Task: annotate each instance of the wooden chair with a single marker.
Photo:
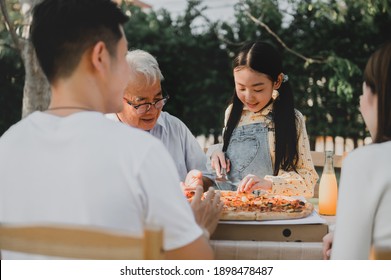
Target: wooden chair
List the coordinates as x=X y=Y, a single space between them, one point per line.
x=81 y=242
x=380 y=253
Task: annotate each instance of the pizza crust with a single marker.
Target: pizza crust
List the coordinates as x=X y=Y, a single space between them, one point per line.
x=235 y=203
x=306 y=211
x=237 y=216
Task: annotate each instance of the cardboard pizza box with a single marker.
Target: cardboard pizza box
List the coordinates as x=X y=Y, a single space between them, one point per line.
x=309 y=229
x=296 y=233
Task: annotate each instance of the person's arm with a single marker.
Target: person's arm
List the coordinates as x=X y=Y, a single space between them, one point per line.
x=207 y=211
x=167 y=207
x=193 y=179
x=196 y=160
x=292 y=183
x=303 y=180
x=356 y=205
x=219 y=161
x=199 y=249
x=327 y=245
x=193 y=156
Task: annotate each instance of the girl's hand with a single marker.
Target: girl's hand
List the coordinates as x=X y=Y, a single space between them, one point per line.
x=252 y=182
x=193 y=179
x=218 y=161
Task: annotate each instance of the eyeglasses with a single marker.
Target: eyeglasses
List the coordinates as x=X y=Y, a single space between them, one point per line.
x=145 y=107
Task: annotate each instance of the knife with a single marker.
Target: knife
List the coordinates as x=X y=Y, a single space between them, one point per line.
x=223 y=183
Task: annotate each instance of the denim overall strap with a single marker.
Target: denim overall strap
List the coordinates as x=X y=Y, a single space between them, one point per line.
x=249 y=153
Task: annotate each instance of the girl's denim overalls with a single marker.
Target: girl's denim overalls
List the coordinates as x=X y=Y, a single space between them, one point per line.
x=249 y=153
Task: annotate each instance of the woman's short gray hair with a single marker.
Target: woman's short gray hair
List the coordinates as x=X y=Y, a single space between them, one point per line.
x=143 y=63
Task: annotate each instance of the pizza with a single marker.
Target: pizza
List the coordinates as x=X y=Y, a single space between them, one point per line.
x=248 y=207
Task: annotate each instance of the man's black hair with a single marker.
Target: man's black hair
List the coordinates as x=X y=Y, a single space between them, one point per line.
x=62 y=30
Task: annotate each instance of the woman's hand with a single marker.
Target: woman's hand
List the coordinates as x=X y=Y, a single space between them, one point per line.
x=192 y=180
x=327 y=244
x=207 y=211
x=218 y=161
x=252 y=182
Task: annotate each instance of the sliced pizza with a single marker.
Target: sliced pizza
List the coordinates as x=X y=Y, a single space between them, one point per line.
x=243 y=206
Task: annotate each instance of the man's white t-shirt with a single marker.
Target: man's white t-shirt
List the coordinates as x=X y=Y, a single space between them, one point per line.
x=87 y=170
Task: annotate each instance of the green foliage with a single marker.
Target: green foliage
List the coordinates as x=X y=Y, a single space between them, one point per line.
x=336 y=37
x=11 y=74
x=196 y=70
x=344 y=34
x=244 y=29
x=11 y=87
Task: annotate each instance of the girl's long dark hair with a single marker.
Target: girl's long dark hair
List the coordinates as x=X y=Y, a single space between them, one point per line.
x=263 y=58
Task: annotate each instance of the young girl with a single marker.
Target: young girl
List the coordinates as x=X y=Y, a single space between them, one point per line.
x=265 y=140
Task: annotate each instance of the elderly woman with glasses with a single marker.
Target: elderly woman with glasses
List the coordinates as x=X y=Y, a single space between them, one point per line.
x=143 y=103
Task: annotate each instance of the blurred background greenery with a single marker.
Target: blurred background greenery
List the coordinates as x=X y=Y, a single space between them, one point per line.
x=324 y=43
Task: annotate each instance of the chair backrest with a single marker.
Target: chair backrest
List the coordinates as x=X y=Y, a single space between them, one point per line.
x=80 y=242
x=380 y=253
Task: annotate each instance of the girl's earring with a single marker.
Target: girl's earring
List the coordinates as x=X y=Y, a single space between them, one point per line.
x=275 y=94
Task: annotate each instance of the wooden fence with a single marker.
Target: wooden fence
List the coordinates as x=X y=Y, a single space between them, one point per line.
x=338 y=144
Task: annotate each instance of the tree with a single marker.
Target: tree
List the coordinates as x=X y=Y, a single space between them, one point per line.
x=345 y=35
x=11 y=82
x=36 y=93
x=324 y=46
x=196 y=68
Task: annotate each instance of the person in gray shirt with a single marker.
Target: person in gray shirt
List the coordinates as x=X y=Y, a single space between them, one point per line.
x=144 y=100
